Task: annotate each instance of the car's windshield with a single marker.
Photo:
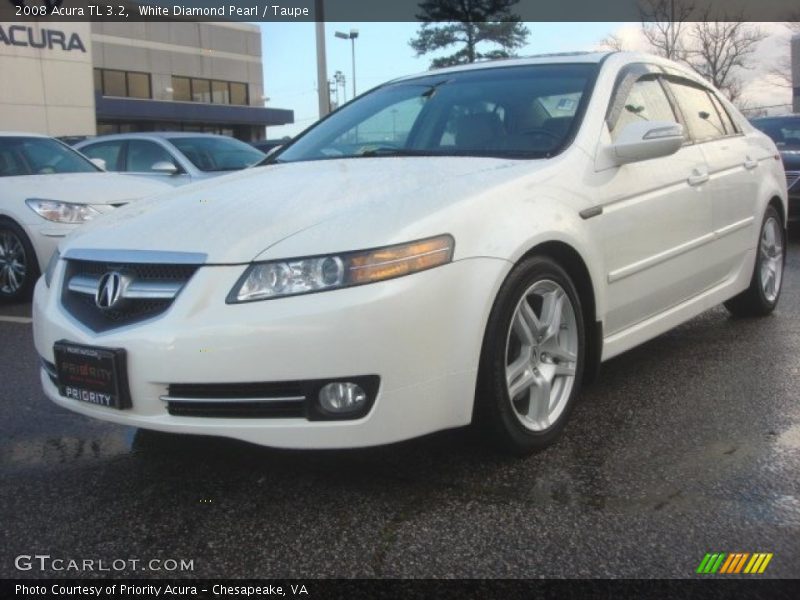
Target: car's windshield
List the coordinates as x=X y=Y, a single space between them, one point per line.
x=40 y=156
x=784 y=132
x=217 y=153
x=522 y=112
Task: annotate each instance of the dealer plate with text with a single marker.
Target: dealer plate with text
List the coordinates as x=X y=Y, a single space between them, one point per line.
x=93 y=375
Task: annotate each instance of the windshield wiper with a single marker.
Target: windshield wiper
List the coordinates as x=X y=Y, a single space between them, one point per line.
x=390 y=151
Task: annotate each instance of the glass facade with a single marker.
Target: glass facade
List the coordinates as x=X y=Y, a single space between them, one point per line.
x=122 y=84
x=209 y=91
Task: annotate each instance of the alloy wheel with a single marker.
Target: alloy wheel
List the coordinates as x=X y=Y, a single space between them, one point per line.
x=541 y=355
x=12 y=263
x=771 y=251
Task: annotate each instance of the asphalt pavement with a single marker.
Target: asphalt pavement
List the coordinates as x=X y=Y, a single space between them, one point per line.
x=687 y=445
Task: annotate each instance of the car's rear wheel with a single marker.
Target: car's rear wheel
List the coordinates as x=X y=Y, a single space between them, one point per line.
x=761 y=297
x=532 y=359
x=19 y=268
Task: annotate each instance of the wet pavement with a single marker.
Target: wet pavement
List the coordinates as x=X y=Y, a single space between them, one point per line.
x=689 y=444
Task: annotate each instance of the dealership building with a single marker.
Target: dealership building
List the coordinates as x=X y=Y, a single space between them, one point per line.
x=70 y=79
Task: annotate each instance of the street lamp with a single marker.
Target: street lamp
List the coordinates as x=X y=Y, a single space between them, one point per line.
x=352 y=37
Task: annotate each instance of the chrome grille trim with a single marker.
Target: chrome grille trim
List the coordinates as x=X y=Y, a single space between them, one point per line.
x=148 y=290
x=296 y=399
x=137 y=290
x=136 y=256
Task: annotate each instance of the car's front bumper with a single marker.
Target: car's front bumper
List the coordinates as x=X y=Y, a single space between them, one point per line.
x=420 y=334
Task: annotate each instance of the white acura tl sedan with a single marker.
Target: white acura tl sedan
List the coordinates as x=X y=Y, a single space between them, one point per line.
x=465 y=245
x=47 y=189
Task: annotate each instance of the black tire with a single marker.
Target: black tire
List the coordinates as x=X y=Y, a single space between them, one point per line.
x=753 y=302
x=494 y=412
x=12 y=235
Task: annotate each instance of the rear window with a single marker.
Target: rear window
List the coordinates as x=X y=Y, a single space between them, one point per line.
x=217 y=153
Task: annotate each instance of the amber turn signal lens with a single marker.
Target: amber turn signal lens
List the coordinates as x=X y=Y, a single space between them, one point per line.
x=403 y=259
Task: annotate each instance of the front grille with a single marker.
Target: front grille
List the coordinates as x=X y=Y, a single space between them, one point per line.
x=150 y=289
x=792 y=177
x=237 y=410
x=237 y=400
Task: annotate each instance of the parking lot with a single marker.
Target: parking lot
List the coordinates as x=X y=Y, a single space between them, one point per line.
x=687 y=445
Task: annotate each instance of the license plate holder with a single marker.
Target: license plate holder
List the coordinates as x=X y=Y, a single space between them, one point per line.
x=92 y=374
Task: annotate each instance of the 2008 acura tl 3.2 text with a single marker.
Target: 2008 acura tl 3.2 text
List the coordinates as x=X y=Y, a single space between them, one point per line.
x=464 y=245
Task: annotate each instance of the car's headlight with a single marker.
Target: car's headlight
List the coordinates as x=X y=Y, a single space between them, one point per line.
x=51 y=268
x=62 y=212
x=275 y=279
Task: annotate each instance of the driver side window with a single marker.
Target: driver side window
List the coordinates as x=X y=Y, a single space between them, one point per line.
x=646 y=101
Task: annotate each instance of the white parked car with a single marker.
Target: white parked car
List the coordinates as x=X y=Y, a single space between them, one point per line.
x=175 y=158
x=463 y=245
x=47 y=189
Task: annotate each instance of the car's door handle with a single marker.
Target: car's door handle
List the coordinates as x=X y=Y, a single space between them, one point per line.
x=698 y=176
x=750 y=163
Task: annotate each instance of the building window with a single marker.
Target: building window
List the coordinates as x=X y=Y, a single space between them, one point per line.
x=124 y=84
x=181 y=89
x=138 y=85
x=239 y=94
x=201 y=90
x=220 y=94
x=185 y=89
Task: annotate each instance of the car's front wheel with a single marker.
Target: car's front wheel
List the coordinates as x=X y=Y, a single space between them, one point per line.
x=761 y=297
x=532 y=357
x=19 y=269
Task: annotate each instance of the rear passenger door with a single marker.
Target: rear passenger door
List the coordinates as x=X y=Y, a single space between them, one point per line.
x=733 y=173
x=656 y=214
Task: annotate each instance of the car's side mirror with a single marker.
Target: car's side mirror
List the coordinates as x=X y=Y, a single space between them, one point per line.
x=165 y=167
x=99 y=163
x=643 y=140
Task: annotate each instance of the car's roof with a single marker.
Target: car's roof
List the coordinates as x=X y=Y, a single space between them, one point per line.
x=537 y=59
x=619 y=58
x=150 y=135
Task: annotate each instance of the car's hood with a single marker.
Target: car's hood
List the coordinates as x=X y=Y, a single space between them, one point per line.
x=89 y=188
x=235 y=218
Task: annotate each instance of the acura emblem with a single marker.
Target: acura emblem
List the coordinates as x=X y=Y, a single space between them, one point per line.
x=109 y=290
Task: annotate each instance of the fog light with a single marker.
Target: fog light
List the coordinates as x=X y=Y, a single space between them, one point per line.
x=342 y=397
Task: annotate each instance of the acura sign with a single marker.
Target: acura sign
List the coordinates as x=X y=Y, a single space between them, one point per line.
x=21 y=35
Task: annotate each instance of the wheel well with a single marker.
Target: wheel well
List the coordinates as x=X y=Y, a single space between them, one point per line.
x=573 y=264
x=776 y=202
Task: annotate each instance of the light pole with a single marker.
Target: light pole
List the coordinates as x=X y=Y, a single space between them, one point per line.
x=352 y=37
x=322 y=69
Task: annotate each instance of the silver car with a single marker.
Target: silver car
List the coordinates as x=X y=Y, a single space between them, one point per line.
x=173 y=157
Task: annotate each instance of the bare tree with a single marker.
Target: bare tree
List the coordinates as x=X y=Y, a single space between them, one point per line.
x=612 y=42
x=781 y=74
x=719 y=48
x=664 y=23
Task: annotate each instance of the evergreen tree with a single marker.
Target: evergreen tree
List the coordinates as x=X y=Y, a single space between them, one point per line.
x=447 y=23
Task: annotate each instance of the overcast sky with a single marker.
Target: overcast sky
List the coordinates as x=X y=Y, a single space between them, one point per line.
x=382 y=53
